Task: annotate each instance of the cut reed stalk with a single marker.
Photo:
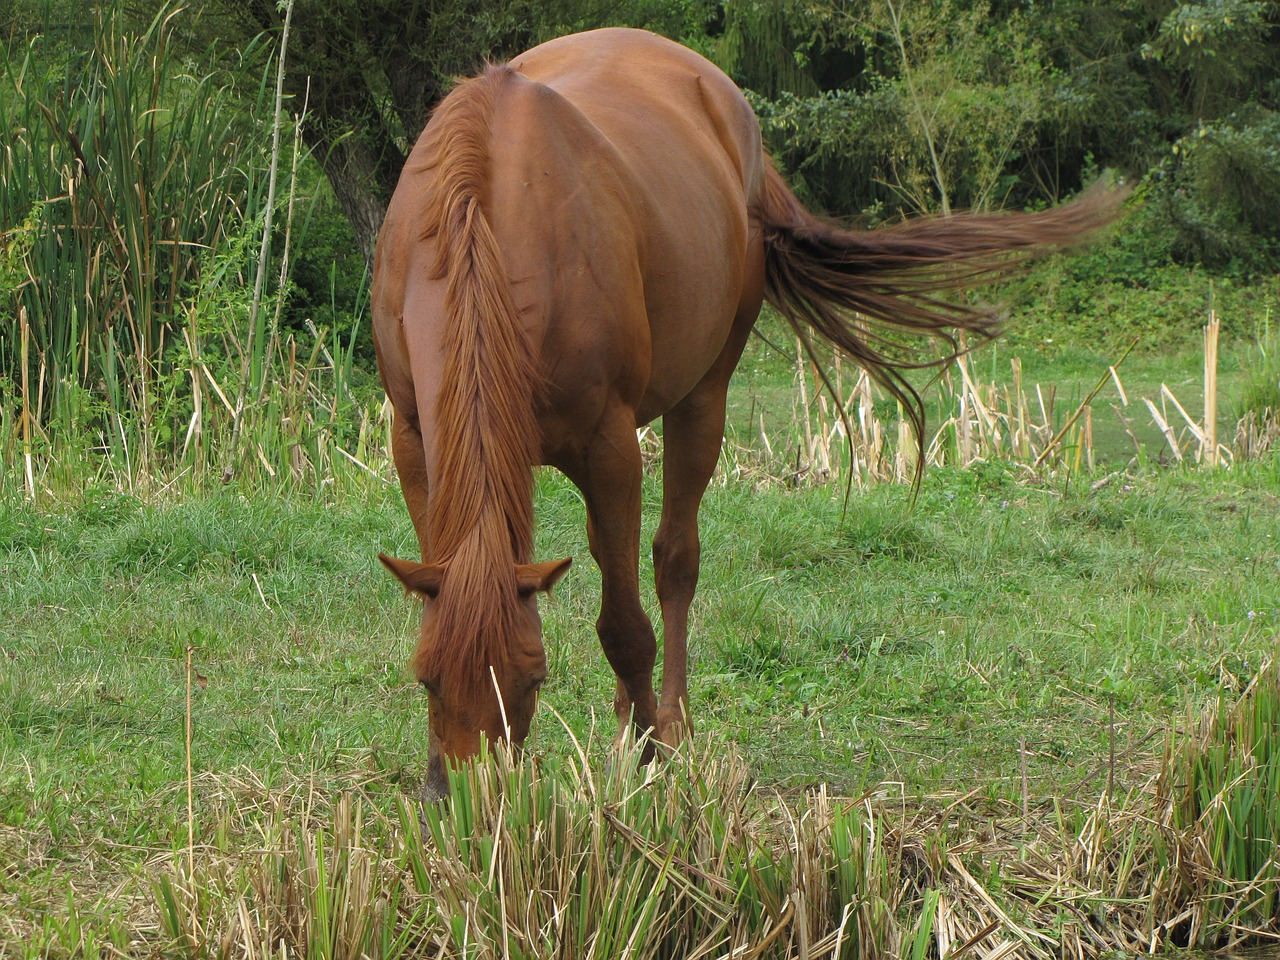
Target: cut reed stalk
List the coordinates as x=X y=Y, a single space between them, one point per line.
x=25 y=334
x=1209 y=450
x=592 y=856
x=1052 y=444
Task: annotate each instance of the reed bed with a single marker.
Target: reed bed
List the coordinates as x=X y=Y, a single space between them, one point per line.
x=977 y=420
x=591 y=855
x=142 y=281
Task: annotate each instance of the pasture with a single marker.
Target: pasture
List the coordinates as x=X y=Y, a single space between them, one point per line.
x=967 y=681
x=1029 y=711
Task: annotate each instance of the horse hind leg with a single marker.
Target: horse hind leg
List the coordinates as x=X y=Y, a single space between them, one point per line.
x=692 y=435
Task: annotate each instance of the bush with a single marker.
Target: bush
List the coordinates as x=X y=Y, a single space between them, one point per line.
x=1220 y=193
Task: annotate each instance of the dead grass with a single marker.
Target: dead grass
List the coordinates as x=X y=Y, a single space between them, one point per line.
x=590 y=856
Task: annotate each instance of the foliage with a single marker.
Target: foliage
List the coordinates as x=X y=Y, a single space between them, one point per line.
x=912 y=130
x=1129 y=285
x=914 y=652
x=1219 y=47
x=887 y=107
x=1220 y=190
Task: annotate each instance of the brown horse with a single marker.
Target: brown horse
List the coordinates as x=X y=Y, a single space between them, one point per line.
x=580 y=243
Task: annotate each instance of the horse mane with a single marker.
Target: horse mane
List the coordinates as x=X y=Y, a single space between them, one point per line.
x=480 y=513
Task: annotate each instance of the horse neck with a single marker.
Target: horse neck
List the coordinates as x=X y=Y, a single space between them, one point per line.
x=480 y=501
x=486 y=429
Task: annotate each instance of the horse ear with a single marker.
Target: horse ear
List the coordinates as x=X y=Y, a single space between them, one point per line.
x=540 y=577
x=423 y=578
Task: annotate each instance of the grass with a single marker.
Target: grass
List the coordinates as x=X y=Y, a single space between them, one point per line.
x=1029 y=714
x=916 y=649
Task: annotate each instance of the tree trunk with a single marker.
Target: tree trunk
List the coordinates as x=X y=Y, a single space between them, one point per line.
x=368 y=73
x=362 y=183
x=358 y=154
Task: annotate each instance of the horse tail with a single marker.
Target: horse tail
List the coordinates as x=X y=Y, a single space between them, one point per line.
x=826 y=280
x=481 y=508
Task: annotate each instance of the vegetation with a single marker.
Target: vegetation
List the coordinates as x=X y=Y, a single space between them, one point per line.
x=1031 y=713
x=140 y=319
x=996 y=646
x=165 y=333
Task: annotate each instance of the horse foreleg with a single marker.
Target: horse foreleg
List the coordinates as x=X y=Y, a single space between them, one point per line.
x=609 y=476
x=411 y=466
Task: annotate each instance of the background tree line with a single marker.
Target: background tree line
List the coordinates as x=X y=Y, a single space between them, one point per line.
x=135 y=195
x=875 y=107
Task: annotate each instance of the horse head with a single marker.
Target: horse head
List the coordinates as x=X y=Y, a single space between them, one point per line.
x=482 y=667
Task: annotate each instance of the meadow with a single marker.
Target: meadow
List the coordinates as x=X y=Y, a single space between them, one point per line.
x=206 y=694
x=1025 y=710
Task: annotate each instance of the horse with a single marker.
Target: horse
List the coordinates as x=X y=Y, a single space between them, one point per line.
x=579 y=243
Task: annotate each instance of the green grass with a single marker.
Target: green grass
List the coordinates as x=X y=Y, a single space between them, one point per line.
x=1011 y=623
x=916 y=646
x=912 y=647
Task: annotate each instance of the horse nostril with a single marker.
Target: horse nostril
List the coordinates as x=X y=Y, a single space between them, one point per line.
x=434 y=791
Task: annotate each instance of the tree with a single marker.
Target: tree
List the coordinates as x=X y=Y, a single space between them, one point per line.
x=367 y=72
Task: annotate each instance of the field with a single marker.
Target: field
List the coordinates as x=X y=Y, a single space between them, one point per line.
x=1014 y=647
x=1025 y=709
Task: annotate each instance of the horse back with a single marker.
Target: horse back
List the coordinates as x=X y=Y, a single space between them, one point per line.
x=642 y=161
x=623 y=171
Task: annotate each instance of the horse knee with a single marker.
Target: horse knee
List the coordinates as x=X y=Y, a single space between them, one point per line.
x=675 y=563
x=628 y=643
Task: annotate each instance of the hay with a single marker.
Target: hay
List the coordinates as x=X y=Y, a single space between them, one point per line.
x=589 y=859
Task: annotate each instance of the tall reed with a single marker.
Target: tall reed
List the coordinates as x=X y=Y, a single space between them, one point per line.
x=122 y=172
x=134 y=216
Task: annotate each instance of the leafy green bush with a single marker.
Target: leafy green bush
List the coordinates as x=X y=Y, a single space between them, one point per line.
x=1220 y=192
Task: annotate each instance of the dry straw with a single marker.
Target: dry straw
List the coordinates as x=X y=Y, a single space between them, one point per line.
x=592 y=856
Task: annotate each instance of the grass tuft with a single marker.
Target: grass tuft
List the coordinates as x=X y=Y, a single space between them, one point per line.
x=1225 y=796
